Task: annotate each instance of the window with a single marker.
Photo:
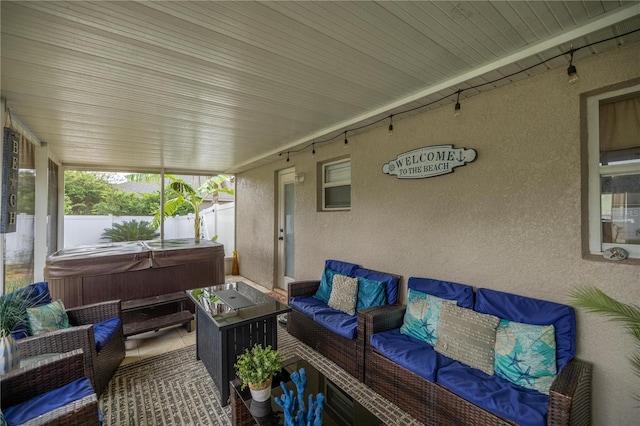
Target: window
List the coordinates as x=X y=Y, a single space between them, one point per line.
x=614 y=171
x=336 y=185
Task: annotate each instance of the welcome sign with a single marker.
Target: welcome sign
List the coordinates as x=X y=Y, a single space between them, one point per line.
x=428 y=161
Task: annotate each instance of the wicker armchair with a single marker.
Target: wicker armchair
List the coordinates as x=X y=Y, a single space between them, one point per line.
x=51 y=373
x=99 y=366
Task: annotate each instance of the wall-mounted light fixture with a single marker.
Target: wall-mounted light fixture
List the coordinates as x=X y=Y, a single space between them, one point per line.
x=456 y=109
x=572 y=72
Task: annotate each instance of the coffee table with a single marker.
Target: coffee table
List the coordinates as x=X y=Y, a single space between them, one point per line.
x=224 y=332
x=339 y=410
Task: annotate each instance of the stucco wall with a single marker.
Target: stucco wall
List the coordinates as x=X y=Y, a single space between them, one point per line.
x=509 y=221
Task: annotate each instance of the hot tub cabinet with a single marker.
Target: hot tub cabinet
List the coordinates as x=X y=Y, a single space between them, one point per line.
x=141 y=274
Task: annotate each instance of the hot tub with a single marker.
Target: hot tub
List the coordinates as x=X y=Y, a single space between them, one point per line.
x=132 y=270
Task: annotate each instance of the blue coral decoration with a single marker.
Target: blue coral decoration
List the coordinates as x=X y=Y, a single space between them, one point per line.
x=295 y=410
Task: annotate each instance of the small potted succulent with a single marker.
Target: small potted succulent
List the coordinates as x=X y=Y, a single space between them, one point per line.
x=256 y=368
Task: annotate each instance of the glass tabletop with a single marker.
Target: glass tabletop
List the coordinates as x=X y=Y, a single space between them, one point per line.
x=218 y=302
x=340 y=409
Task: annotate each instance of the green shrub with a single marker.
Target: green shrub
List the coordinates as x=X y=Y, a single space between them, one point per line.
x=130 y=231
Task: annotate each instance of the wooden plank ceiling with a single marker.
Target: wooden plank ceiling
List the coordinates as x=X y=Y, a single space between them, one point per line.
x=218 y=86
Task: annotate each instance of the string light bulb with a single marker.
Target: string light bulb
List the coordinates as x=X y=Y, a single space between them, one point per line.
x=391 y=125
x=571 y=70
x=346 y=141
x=456 y=109
x=287 y=156
x=313 y=148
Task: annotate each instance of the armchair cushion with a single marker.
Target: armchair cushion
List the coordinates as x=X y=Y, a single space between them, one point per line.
x=415 y=355
x=526 y=407
x=49 y=317
x=48 y=401
x=104 y=331
x=332 y=267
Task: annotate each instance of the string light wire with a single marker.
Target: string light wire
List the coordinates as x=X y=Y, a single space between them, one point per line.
x=457 y=93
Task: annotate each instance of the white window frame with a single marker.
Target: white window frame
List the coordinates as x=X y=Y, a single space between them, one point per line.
x=324 y=184
x=596 y=246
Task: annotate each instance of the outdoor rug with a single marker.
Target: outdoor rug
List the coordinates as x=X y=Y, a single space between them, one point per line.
x=176 y=389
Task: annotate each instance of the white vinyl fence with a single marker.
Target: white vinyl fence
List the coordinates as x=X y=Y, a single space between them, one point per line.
x=80 y=230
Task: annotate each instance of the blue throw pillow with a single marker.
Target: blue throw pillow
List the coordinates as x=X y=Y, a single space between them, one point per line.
x=422 y=317
x=525 y=354
x=390 y=282
x=371 y=293
x=332 y=267
x=326 y=283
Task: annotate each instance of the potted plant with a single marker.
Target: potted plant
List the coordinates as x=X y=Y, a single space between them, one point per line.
x=256 y=368
x=13 y=311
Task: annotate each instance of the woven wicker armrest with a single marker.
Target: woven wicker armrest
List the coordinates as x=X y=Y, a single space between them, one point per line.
x=96 y=312
x=303 y=288
x=384 y=318
x=43 y=376
x=570 y=395
x=65 y=340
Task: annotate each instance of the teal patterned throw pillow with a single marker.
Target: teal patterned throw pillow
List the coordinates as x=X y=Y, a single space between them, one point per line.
x=422 y=317
x=46 y=318
x=526 y=354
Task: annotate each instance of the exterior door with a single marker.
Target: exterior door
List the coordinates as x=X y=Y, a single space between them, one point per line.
x=286 y=228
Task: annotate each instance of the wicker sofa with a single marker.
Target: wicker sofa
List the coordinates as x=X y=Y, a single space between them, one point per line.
x=436 y=389
x=335 y=334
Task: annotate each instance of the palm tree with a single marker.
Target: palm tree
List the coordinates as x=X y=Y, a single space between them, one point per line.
x=130 y=231
x=187 y=195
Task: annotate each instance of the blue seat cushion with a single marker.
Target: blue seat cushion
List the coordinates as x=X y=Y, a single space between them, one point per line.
x=413 y=354
x=523 y=406
x=342 y=324
x=527 y=310
x=332 y=267
x=338 y=322
x=390 y=282
x=104 y=332
x=48 y=401
x=37 y=294
x=308 y=305
x=461 y=293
